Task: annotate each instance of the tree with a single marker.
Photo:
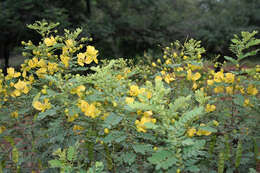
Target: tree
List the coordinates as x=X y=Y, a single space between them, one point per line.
x=221 y=19
x=15 y=15
x=127 y=28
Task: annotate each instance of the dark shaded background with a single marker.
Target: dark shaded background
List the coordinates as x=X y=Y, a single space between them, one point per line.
x=127 y=28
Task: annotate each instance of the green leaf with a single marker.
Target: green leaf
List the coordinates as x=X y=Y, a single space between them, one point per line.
x=36 y=98
x=55 y=163
x=252 y=53
x=187 y=142
x=15 y=155
x=163 y=159
x=128 y=157
x=49 y=112
x=252 y=170
x=230 y=59
x=116 y=136
x=234 y=40
x=71 y=153
x=210 y=129
x=150 y=125
x=253 y=43
x=180 y=102
x=142 y=148
x=239 y=100
x=168 y=162
x=113 y=119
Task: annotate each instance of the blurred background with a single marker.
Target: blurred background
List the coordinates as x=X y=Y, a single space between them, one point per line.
x=128 y=28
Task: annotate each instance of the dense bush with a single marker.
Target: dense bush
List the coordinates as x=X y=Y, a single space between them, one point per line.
x=63 y=112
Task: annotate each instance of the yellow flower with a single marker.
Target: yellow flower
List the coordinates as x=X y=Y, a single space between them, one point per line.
x=44 y=91
x=78 y=90
x=246 y=102
x=106 y=130
x=104 y=116
x=72 y=118
x=155 y=148
x=229 y=90
x=12 y=74
x=14 y=114
x=163 y=72
x=139 y=112
x=193 y=77
x=153 y=64
x=148 y=113
x=31 y=79
x=185 y=57
x=52 y=67
x=77 y=128
x=201 y=132
x=191 y=132
x=134 y=90
x=141 y=124
x=194 y=67
x=119 y=77
x=65 y=50
x=81 y=58
x=210 y=82
x=41 y=72
x=194 y=86
x=129 y=100
x=89 y=109
x=24 y=73
x=257 y=68
x=189 y=74
x=91 y=54
x=219 y=76
x=179 y=69
x=168 y=61
x=158 y=78
x=175 y=55
x=16 y=93
x=22 y=86
x=240 y=88
x=2 y=129
x=42 y=106
x=69 y=43
x=215 y=123
x=32 y=63
x=219 y=89
x=210 y=108
x=169 y=78
x=41 y=63
x=230 y=78
x=252 y=90
x=50 y=41
x=65 y=60
x=149 y=94
x=114 y=104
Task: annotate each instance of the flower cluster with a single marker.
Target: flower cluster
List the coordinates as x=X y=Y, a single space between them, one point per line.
x=146 y=118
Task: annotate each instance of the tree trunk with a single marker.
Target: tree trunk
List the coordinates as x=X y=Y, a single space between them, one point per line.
x=4 y=54
x=88 y=8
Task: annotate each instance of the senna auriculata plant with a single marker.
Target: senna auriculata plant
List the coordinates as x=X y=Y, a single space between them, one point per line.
x=172 y=116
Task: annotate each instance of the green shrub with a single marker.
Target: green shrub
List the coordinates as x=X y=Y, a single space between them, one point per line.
x=62 y=113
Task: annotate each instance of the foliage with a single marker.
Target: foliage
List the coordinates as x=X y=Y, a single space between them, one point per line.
x=239 y=46
x=123 y=28
x=64 y=111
